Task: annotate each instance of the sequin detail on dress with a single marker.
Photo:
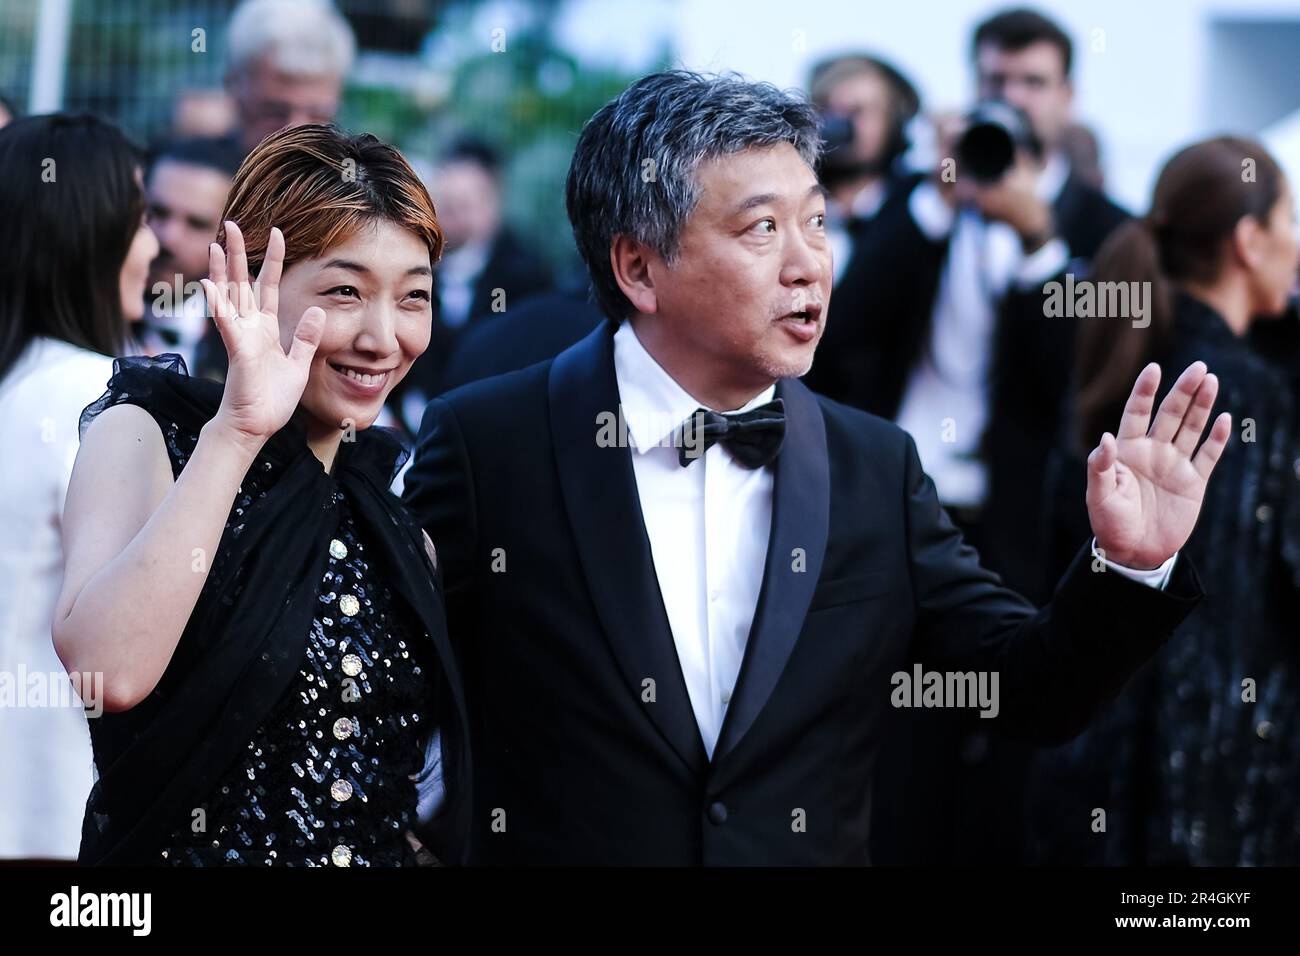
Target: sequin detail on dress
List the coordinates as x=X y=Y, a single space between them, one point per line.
x=327 y=778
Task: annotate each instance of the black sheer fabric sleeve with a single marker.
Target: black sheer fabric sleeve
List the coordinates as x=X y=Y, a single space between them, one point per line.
x=162 y=386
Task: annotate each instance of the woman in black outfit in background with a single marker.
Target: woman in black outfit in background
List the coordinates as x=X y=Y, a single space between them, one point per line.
x=1198 y=762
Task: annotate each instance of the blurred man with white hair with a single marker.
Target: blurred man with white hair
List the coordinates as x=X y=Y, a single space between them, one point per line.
x=285 y=63
x=286 y=60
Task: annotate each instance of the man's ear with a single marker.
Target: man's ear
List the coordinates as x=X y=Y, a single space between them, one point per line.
x=630 y=261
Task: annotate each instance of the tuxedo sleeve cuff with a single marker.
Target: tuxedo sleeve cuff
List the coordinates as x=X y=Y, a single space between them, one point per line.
x=1121 y=621
x=1157 y=578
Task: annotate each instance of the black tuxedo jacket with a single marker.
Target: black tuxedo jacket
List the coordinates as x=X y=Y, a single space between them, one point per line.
x=586 y=745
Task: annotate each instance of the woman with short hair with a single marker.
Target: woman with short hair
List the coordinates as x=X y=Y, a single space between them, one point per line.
x=276 y=664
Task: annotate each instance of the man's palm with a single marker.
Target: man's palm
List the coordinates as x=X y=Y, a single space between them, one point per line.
x=1145 y=487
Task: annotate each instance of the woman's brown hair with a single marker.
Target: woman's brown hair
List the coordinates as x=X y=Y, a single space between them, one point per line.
x=319 y=186
x=1200 y=196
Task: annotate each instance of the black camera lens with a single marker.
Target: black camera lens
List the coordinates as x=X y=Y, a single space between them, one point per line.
x=836 y=132
x=986 y=152
x=987 y=147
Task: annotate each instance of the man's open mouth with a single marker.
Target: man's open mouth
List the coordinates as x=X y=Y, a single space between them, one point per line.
x=811 y=314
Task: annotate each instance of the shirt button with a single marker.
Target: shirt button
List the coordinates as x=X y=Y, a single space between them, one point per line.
x=1264 y=729
x=341 y=856
x=714 y=595
x=341 y=790
x=338 y=550
x=343 y=728
x=726 y=697
x=1264 y=514
x=349 y=605
x=351 y=665
x=718 y=813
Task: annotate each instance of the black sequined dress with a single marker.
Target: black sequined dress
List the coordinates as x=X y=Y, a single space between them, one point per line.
x=328 y=778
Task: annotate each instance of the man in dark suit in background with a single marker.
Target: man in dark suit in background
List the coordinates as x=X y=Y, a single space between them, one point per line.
x=485 y=271
x=542 y=327
x=684 y=588
x=186 y=185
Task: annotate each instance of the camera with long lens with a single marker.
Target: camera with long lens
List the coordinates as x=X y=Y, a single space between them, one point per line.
x=995 y=131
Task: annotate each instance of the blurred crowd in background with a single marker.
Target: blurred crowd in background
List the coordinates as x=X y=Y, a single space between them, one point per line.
x=937 y=323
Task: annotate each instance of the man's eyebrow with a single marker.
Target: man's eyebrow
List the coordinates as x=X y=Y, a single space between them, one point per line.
x=762 y=199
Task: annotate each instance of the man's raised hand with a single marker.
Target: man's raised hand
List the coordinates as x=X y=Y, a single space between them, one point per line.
x=1146 y=484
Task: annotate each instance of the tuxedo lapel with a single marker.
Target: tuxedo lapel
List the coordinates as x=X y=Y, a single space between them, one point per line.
x=604 y=510
x=796 y=547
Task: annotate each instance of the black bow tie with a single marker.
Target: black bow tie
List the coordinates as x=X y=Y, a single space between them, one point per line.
x=753 y=437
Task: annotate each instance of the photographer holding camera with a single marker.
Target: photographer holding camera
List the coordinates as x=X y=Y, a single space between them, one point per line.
x=865 y=105
x=939 y=325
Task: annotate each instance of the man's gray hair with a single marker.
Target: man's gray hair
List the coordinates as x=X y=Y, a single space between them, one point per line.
x=633 y=171
x=299 y=37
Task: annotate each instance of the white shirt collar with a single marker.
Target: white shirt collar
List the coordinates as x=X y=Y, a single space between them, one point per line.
x=865 y=204
x=463 y=264
x=651 y=401
x=869 y=199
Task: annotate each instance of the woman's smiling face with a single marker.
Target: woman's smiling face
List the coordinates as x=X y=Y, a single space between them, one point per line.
x=376 y=289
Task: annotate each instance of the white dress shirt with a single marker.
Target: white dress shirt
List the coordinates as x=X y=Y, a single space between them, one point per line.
x=945 y=405
x=457 y=273
x=708 y=525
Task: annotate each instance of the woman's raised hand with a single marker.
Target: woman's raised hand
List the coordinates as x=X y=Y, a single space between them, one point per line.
x=264 y=383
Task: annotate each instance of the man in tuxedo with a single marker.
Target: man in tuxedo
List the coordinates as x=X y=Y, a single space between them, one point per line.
x=684 y=589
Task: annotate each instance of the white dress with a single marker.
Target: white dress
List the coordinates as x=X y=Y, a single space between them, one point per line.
x=46 y=768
